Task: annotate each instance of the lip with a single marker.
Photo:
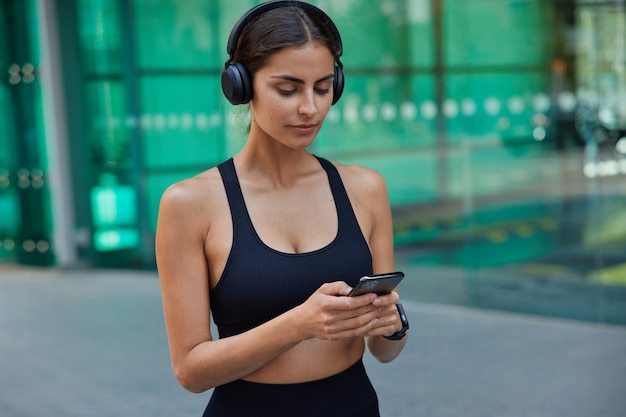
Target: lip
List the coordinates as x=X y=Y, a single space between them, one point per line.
x=304 y=128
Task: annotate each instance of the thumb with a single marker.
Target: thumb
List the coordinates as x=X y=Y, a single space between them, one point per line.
x=335 y=288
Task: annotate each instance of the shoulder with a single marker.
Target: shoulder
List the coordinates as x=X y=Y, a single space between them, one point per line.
x=361 y=180
x=192 y=189
x=195 y=196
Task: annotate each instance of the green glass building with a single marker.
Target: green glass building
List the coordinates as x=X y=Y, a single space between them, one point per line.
x=499 y=125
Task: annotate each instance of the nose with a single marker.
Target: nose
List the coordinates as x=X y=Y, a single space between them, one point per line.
x=308 y=105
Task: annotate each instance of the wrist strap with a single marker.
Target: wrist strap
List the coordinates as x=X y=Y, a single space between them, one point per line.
x=399 y=335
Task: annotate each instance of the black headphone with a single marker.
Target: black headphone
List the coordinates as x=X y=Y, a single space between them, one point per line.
x=236 y=81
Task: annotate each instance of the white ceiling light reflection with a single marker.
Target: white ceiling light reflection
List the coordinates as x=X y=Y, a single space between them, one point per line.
x=159 y=122
x=515 y=105
x=146 y=122
x=587 y=97
x=429 y=110
x=202 y=121
x=113 y=122
x=351 y=113
x=131 y=122
x=216 y=120
x=620 y=146
x=408 y=110
x=492 y=106
x=607 y=116
x=540 y=134
x=388 y=112
x=567 y=101
x=370 y=113
x=333 y=115
x=468 y=107
x=186 y=121
x=450 y=108
x=172 y=121
x=541 y=103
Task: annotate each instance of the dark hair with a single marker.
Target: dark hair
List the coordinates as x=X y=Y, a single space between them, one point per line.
x=277 y=29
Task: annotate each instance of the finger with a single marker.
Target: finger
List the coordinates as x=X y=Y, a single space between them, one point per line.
x=384 y=326
x=337 y=300
x=335 y=288
x=358 y=326
x=388 y=299
x=344 y=313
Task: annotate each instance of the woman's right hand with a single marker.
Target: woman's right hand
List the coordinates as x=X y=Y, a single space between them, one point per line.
x=329 y=315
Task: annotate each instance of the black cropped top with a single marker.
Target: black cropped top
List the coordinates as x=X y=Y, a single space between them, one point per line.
x=260 y=283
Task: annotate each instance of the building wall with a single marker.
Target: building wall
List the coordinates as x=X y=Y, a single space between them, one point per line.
x=495 y=123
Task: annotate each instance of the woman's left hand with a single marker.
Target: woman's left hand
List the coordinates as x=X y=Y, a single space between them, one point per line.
x=388 y=318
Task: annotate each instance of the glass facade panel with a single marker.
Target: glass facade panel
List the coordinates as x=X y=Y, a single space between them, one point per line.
x=533 y=166
x=9 y=209
x=9 y=202
x=420 y=33
x=100 y=36
x=496 y=33
x=108 y=129
x=181 y=121
x=503 y=105
x=25 y=223
x=178 y=34
x=377 y=113
x=499 y=125
x=385 y=37
x=110 y=133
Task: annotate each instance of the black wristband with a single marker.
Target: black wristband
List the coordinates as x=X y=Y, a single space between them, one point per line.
x=399 y=335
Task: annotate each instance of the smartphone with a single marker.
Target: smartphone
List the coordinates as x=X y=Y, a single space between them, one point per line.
x=380 y=284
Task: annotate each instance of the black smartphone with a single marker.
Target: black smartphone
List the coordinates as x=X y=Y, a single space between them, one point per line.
x=380 y=284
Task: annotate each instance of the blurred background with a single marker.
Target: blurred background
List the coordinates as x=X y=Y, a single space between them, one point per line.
x=499 y=125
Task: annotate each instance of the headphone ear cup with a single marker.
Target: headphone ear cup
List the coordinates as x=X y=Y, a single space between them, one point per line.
x=237 y=84
x=338 y=83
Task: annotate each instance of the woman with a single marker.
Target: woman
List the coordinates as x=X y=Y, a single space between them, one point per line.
x=271 y=241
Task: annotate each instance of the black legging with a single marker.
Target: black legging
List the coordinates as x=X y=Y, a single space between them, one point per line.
x=347 y=394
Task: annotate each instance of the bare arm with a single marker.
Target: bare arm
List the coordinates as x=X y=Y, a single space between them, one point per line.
x=199 y=362
x=372 y=198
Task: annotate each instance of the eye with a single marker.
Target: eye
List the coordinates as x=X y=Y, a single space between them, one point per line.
x=283 y=92
x=323 y=87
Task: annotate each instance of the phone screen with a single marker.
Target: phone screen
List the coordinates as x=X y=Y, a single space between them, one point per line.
x=380 y=284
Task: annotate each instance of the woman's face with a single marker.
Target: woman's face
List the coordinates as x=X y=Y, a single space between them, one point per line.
x=292 y=94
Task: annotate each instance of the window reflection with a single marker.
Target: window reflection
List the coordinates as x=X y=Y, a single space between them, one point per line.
x=499 y=125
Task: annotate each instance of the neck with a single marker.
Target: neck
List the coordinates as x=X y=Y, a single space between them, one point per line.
x=278 y=165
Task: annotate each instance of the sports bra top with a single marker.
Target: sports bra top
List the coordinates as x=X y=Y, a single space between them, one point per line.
x=259 y=283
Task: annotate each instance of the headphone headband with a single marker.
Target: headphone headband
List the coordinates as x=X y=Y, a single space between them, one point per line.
x=243 y=21
x=236 y=80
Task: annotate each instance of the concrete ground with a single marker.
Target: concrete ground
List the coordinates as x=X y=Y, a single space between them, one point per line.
x=93 y=344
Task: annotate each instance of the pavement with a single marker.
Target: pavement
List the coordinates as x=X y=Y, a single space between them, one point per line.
x=92 y=343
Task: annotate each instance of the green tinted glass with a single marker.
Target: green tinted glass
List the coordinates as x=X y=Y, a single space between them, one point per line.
x=182 y=123
x=100 y=36
x=487 y=32
x=177 y=34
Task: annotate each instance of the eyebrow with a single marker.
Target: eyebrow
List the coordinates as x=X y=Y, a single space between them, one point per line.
x=299 y=81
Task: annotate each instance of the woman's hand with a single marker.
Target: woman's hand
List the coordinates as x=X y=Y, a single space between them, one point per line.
x=388 y=323
x=329 y=315
x=388 y=319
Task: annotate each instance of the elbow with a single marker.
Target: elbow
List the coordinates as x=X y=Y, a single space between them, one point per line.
x=386 y=358
x=385 y=351
x=191 y=387
x=191 y=382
